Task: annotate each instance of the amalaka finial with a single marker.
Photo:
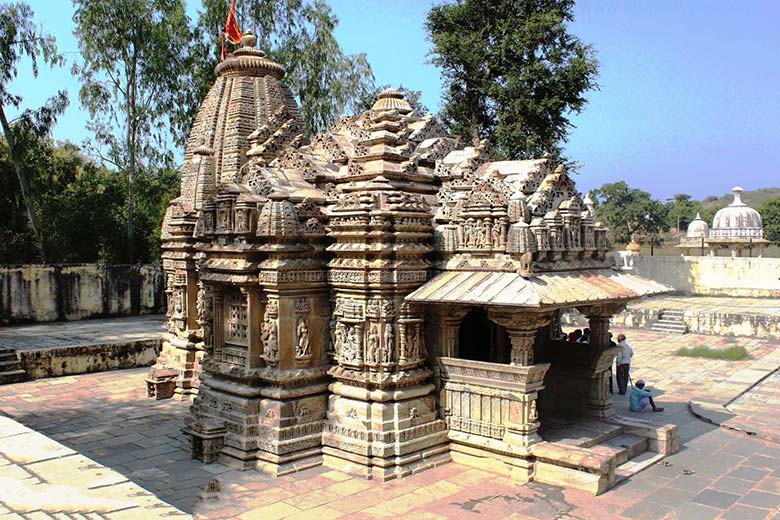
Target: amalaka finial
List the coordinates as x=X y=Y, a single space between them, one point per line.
x=248 y=39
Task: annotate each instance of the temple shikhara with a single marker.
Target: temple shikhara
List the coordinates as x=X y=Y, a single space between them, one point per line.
x=381 y=298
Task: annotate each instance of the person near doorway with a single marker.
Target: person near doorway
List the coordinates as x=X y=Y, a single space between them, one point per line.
x=623 y=363
x=640 y=399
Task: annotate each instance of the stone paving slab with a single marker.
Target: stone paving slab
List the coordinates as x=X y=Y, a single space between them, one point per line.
x=41 y=478
x=105 y=417
x=60 y=334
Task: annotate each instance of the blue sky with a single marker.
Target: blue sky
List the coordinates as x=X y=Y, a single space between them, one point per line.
x=689 y=88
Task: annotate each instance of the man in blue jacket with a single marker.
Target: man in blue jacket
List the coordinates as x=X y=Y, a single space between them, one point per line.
x=640 y=400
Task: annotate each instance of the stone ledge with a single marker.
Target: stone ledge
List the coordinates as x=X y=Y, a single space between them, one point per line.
x=85 y=359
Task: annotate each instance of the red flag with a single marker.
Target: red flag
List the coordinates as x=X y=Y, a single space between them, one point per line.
x=232 y=32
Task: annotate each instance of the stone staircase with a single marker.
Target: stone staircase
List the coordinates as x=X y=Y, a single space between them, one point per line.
x=670 y=322
x=10 y=367
x=594 y=455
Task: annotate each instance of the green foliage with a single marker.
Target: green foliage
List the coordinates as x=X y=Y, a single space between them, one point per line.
x=770 y=214
x=133 y=61
x=682 y=211
x=412 y=96
x=512 y=72
x=735 y=353
x=630 y=212
x=82 y=207
x=298 y=34
x=19 y=37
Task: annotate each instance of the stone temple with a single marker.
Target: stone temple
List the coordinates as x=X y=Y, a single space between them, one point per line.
x=382 y=299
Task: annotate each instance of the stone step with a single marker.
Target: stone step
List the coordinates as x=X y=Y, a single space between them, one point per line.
x=670 y=322
x=12 y=376
x=636 y=464
x=669 y=328
x=622 y=447
x=9 y=364
x=672 y=313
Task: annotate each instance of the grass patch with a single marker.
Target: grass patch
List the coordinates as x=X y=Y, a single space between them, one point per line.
x=735 y=353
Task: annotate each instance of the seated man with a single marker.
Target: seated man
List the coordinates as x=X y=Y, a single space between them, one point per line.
x=640 y=399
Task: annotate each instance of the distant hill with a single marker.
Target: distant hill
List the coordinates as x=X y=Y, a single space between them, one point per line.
x=752 y=198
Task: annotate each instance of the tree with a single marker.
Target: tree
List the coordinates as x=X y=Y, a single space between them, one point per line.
x=296 y=33
x=412 y=96
x=512 y=72
x=682 y=211
x=770 y=214
x=630 y=213
x=20 y=37
x=134 y=57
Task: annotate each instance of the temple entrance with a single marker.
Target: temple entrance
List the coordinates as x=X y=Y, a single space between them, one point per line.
x=480 y=339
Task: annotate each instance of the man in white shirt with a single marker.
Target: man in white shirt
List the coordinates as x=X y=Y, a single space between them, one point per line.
x=623 y=363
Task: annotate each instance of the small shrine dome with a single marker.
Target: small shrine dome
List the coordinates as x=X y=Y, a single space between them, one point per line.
x=737 y=220
x=698 y=228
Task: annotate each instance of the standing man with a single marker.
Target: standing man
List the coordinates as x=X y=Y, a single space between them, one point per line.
x=623 y=363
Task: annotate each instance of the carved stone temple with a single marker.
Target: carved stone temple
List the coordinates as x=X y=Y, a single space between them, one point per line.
x=381 y=299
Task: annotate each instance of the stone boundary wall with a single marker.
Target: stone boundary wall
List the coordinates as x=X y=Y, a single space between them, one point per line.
x=714 y=323
x=86 y=359
x=713 y=276
x=39 y=292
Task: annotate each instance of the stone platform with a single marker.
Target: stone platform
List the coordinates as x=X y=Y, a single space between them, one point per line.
x=718 y=473
x=79 y=347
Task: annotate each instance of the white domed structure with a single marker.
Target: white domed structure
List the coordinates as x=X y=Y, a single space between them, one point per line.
x=698 y=228
x=736 y=227
x=737 y=220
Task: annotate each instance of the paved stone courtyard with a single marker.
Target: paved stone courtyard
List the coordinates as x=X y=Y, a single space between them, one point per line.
x=717 y=474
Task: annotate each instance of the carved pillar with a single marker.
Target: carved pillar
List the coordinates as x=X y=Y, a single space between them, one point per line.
x=522 y=346
x=522 y=327
x=444 y=326
x=600 y=358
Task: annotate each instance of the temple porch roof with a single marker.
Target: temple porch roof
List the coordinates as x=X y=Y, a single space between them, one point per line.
x=557 y=289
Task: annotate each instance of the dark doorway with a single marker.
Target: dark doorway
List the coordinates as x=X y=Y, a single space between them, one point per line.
x=479 y=339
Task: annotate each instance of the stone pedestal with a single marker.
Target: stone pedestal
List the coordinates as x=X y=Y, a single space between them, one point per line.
x=383 y=435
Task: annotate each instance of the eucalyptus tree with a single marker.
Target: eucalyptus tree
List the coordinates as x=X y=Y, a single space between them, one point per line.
x=299 y=34
x=20 y=37
x=134 y=59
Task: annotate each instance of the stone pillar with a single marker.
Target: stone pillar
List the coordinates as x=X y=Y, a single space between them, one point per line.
x=522 y=327
x=522 y=347
x=598 y=401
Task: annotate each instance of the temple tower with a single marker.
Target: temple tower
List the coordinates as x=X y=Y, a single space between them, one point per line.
x=382 y=417
x=246 y=95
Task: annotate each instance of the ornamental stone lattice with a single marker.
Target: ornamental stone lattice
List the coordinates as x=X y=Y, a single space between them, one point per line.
x=326 y=295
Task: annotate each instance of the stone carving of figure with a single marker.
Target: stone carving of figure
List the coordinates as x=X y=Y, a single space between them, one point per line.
x=349 y=351
x=496 y=235
x=332 y=324
x=532 y=413
x=486 y=227
x=373 y=352
x=466 y=235
x=338 y=339
x=303 y=347
x=413 y=344
x=270 y=341
x=387 y=348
